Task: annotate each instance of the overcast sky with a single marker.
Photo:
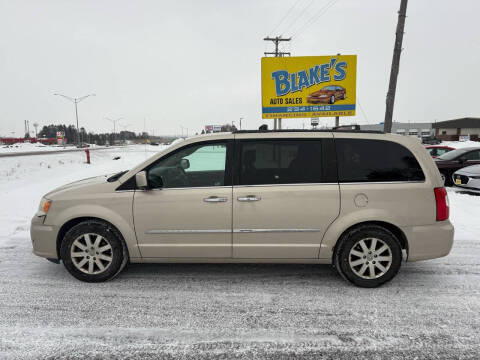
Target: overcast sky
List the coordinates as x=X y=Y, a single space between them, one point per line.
x=192 y=63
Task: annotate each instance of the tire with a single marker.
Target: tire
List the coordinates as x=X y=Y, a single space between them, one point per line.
x=356 y=264
x=105 y=249
x=332 y=99
x=447 y=178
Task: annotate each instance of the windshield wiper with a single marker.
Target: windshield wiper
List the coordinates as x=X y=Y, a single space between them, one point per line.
x=117 y=176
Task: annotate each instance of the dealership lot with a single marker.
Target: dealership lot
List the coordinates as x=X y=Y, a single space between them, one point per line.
x=205 y=311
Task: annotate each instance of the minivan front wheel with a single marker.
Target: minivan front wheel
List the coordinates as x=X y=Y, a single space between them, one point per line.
x=368 y=256
x=92 y=251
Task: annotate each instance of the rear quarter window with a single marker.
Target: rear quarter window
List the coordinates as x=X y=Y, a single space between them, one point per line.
x=362 y=160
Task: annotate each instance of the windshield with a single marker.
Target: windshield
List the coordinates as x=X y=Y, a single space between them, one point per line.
x=452 y=154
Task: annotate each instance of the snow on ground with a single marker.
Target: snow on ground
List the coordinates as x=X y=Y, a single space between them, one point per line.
x=27 y=147
x=430 y=310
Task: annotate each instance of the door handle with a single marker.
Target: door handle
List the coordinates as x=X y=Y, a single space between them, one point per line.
x=249 y=198
x=215 y=199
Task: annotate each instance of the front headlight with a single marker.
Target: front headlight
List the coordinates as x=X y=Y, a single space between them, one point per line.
x=44 y=206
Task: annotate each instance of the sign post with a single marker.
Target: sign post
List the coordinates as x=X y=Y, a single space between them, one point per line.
x=308 y=86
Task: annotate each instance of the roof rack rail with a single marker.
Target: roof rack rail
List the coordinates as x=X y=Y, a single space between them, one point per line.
x=339 y=129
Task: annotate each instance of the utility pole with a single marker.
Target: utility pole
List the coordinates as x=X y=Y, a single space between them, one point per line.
x=277 y=123
x=397 y=50
x=241 y=123
x=76 y=101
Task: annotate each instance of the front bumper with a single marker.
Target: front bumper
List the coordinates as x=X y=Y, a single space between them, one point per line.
x=466 y=181
x=429 y=241
x=43 y=238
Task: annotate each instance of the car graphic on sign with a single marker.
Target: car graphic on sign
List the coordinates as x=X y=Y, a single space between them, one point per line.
x=327 y=95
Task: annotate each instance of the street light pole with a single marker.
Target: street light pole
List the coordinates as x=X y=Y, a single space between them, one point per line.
x=75 y=101
x=114 y=121
x=124 y=131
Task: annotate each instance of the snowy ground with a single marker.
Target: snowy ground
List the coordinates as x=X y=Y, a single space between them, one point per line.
x=37 y=147
x=430 y=310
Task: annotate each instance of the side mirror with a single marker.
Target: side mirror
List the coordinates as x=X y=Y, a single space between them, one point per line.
x=184 y=164
x=141 y=180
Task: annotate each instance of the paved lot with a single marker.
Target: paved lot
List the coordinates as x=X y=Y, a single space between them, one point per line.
x=431 y=310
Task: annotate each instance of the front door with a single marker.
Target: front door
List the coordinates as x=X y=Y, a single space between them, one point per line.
x=285 y=196
x=187 y=211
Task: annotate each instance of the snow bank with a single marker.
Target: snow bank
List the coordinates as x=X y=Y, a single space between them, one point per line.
x=25 y=179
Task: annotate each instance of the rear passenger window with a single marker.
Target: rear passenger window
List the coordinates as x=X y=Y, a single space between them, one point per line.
x=361 y=160
x=472 y=155
x=280 y=162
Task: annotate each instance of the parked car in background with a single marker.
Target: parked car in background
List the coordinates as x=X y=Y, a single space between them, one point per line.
x=354 y=199
x=468 y=177
x=438 y=150
x=327 y=95
x=430 y=140
x=454 y=160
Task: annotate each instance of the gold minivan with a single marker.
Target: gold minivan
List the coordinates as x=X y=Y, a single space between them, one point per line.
x=362 y=201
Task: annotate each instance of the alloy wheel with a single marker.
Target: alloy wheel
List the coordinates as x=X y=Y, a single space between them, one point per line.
x=370 y=258
x=91 y=253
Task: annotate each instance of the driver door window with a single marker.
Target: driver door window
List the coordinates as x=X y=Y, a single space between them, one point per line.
x=194 y=166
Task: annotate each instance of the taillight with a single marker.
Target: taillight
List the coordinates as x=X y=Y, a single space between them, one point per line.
x=441 y=200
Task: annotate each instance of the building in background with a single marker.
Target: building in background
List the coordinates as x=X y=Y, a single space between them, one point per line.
x=420 y=130
x=458 y=129
x=12 y=140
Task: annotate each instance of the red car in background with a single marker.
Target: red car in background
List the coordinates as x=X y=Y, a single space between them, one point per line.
x=437 y=150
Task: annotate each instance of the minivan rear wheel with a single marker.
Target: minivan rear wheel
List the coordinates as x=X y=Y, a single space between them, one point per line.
x=368 y=256
x=92 y=251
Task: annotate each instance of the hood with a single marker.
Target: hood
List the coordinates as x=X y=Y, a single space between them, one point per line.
x=78 y=184
x=320 y=92
x=470 y=170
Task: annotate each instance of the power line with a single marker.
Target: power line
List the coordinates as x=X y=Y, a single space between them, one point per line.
x=361 y=109
x=285 y=16
x=322 y=11
x=299 y=15
x=301 y=24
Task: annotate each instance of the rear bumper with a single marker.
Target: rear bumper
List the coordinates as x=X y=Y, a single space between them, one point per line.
x=43 y=238
x=429 y=241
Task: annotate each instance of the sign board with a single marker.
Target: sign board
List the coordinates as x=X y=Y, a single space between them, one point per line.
x=61 y=138
x=308 y=86
x=213 y=128
x=315 y=121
